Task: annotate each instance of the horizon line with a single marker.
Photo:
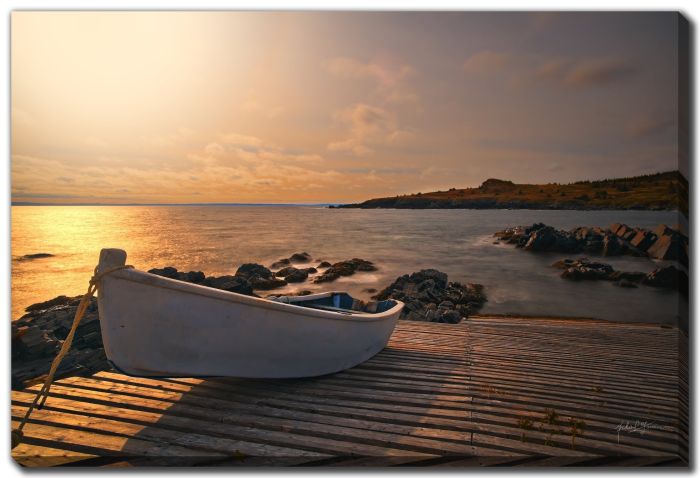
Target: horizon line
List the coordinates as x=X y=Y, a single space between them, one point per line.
x=33 y=203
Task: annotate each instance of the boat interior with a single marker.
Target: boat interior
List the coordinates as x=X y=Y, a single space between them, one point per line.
x=341 y=302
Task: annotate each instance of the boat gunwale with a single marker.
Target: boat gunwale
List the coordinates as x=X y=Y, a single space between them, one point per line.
x=135 y=275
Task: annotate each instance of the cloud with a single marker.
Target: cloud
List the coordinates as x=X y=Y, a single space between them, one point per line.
x=648 y=125
x=520 y=70
x=390 y=80
x=600 y=71
x=254 y=104
x=352 y=68
x=486 y=62
x=240 y=140
x=367 y=126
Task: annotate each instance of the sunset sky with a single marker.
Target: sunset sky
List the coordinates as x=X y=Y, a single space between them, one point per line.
x=259 y=107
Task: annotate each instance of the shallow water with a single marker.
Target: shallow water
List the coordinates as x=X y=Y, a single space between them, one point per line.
x=217 y=239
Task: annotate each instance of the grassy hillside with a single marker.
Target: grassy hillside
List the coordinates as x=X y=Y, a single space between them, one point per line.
x=661 y=191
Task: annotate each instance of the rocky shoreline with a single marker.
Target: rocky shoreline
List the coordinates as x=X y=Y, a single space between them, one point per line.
x=37 y=336
x=668 y=277
x=663 y=243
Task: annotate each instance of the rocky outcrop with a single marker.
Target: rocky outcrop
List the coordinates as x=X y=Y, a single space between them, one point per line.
x=38 y=335
x=260 y=277
x=668 y=277
x=429 y=296
x=292 y=274
x=38 y=255
x=669 y=245
x=345 y=268
x=229 y=283
x=663 y=243
x=296 y=258
x=196 y=277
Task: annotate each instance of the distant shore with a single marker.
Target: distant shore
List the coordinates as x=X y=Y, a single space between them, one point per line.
x=655 y=192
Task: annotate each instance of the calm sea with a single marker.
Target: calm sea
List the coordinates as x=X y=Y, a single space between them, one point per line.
x=217 y=239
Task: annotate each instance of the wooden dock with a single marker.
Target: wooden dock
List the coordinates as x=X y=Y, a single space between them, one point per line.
x=489 y=391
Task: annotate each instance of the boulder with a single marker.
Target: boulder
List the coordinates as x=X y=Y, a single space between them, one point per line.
x=583 y=269
x=261 y=283
x=280 y=263
x=345 y=268
x=300 y=257
x=643 y=240
x=292 y=274
x=38 y=335
x=169 y=272
x=196 y=277
x=285 y=271
x=229 y=283
x=670 y=245
x=324 y=265
x=60 y=300
x=251 y=270
x=541 y=240
x=38 y=255
x=429 y=296
x=611 y=245
x=668 y=277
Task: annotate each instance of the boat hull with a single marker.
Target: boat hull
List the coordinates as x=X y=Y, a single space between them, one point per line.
x=154 y=326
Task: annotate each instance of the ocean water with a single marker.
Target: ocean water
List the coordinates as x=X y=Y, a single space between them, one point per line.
x=217 y=239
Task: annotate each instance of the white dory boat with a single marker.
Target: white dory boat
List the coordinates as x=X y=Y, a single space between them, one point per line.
x=155 y=326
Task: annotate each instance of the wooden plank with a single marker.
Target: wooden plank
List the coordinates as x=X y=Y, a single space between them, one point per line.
x=439 y=395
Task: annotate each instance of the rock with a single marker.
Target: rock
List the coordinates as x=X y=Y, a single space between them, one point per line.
x=635 y=277
x=643 y=240
x=251 y=270
x=285 y=271
x=196 y=277
x=300 y=257
x=449 y=317
x=323 y=265
x=326 y=277
x=611 y=245
x=169 y=272
x=38 y=335
x=281 y=263
x=292 y=274
x=259 y=276
x=429 y=296
x=236 y=284
x=60 y=300
x=261 y=283
x=541 y=240
x=670 y=245
x=446 y=304
x=345 y=268
x=38 y=255
x=590 y=240
x=311 y=270
x=583 y=269
x=668 y=277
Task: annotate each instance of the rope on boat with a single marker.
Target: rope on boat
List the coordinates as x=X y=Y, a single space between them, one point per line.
x=43 y=394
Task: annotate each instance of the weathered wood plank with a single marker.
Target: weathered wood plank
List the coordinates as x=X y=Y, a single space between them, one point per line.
x=471 y=394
